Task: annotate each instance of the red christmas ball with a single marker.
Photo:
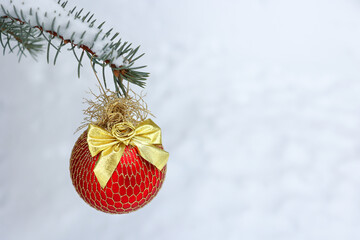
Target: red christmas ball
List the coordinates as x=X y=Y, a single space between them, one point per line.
x=134 y=183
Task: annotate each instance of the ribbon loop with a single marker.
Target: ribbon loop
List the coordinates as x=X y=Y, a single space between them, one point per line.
x=111 y=146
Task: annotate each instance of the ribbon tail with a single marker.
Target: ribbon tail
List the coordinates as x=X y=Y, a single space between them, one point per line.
x=154 y=155
x=107 y=163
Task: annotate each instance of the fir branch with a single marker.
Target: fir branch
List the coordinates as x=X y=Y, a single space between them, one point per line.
x=19 y=36
x=26 y=27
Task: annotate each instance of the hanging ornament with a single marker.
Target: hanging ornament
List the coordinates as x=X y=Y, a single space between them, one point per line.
x=118 y=165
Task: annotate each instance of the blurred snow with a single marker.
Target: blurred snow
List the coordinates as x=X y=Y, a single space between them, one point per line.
x=259 y=106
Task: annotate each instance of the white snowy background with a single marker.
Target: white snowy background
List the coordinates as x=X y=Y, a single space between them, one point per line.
x=259 y=104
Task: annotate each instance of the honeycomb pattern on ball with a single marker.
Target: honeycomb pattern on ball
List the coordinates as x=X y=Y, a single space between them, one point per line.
x=134 y=183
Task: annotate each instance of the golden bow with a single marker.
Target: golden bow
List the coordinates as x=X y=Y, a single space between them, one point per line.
x=112 y=146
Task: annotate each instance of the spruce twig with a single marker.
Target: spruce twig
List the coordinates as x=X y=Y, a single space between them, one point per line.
x=27 y=30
